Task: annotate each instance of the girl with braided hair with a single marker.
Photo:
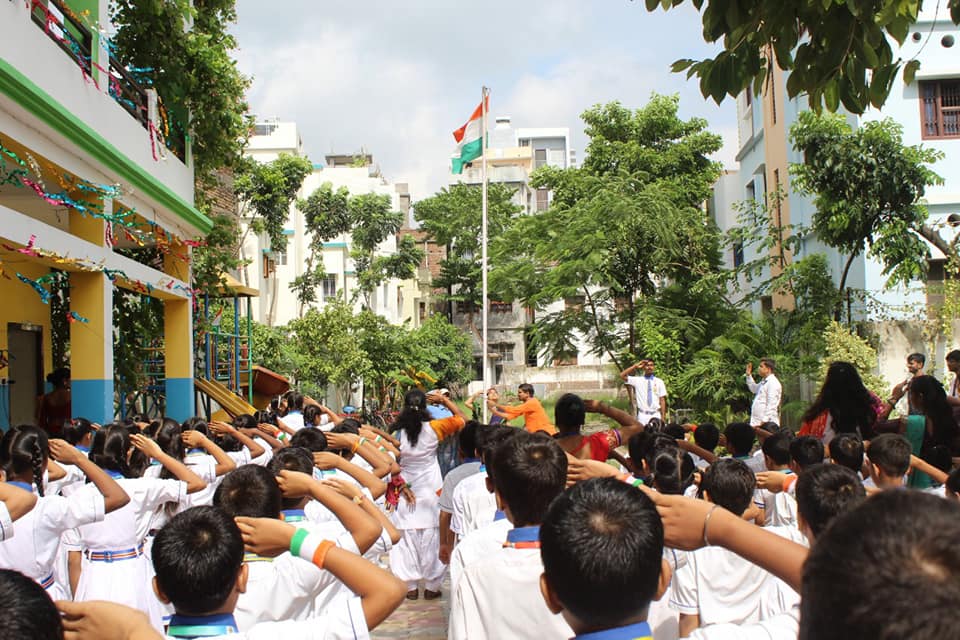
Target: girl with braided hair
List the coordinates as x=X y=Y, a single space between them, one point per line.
x=24 y=454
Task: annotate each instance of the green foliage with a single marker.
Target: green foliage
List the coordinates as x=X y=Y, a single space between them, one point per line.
x=184 y=48
x=866 y=186
x=326 y=350
x=836 y=51
x=217 y=256
x=444 y=350
x=138 y=325
x=840 y=343
x=620 y=226
x=267 y=190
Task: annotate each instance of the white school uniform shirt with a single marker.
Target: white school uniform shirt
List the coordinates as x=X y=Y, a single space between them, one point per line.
x=33 y=551
x=780 y=509
x=473 y=505
x=766 y=400
x=476 y=545
x=720 y=586
x=264 y=458
x=294 y=420
x=419 y=466
x=646 y=394
x=499 y=597
x=785 y=626
x=344 y=620
x=281 y=588
x=6 y=523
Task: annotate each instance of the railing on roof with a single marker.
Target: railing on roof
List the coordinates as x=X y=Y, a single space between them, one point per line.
x=61 y=24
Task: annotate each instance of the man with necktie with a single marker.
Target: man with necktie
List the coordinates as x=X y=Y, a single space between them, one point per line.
x=649 y=391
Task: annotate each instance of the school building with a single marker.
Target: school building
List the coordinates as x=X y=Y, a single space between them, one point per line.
x=92 y=162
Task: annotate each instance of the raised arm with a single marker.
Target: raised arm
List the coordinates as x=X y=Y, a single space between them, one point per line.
x=388 y=438
x=325 y=460
x=18 y=501
x=228 y=429
x=180 y=471
x=628 y=423
x=919 y=464
x=351 y=491
x=196 y=439
x=626 y=372
x=697 y=450
x=114 y=496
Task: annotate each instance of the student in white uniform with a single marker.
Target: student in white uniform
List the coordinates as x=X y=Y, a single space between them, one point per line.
x=603 y=566
x=715 y=585
x=474 y=505
x=284 y=587
x=114 y=567
x=416 y=556
x=780 y=508
x=293 y=418
x=14 y=504
x=498 y=596
x=24 y=452
x=79 y=432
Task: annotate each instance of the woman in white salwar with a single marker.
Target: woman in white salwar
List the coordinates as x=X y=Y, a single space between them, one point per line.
x=416 y=556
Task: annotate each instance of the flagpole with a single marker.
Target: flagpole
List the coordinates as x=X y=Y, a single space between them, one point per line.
x=483 y=244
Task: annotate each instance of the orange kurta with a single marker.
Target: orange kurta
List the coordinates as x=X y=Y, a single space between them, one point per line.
x=534 y=417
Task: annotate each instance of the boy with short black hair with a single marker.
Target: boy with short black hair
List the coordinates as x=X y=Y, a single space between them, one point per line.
x=740 y=437
x=601 y=547
x=716 y=585
x=846 y=449
x=805 y=451
x=498 y=596
x=470 y=456
x=889 y=456
x=706 y=436
x=824 y=491
x=780 y=509
x=199 y=561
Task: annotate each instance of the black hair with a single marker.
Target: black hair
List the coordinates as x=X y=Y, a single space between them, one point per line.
x=824 y=491
x=294 y=400
x=927 y=393
x=245 y=421
x=844 y=395
x=674 y=430
x=76 y=430
x=412 y=416
x=601 y=543
x=771 y=364
x=310 y=415
x=250 y=491
x=169 y=437
x=846 y=449
x=777 y=447
x=347 y=425
x=28 y=611
x=953 y=481
x=58 y=376
x=939 y=456
x=109 y=449
x=569 y=413
x=917 y=357
x=526 y=388
x=197 y=556
x=467 y=439
x=530 y=470
x=313 y=440
x=25 y=448
x=886 y=569
x=661 y=454
x=806 y=451
x=740 y=438
x=195 y=423
x=953 y=356
x=492 y=438
x=730 y=483
x=291 y=459
x=707 y=435
x=266 y=417
x=890 y=452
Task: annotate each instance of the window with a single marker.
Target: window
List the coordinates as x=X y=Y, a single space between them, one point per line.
x=329 y=286
x=530 y=350
x=504 y=350
x=539 y=158
x=940 y=108
x=737 y=255
x=501 y=307
x=281 y=258
x=264 y=128
x=543 y=199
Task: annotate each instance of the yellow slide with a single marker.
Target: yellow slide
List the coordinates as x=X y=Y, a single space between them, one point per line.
x=228 y=400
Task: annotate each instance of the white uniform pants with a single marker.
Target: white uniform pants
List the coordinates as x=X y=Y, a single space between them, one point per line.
x=416 y=557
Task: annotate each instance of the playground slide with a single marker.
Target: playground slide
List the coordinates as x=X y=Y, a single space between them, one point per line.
x=228 y=400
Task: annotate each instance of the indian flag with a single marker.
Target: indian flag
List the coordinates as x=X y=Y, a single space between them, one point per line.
x=468 y=139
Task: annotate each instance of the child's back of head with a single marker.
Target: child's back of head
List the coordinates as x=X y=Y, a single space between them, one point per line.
x=28 y=612
x=824 y=491
x=739 y=437
x=730 y=483
x=890 y=453
x=197 y=557
x=896 y=559
x=313 y=440
x=529 y=471
x=601 y=544
x=707 y=436
x=569 y=413
x=250 y=491
x=846 y=449
x=806 y=451
x=291 y=459
x=776 y=449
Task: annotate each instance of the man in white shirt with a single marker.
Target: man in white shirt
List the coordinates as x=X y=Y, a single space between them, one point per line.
x=767 y=393
x=649 y=391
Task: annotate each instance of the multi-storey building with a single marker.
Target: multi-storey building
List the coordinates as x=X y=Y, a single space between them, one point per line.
x=84 y=172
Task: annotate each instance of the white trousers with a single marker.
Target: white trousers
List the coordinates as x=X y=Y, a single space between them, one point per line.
x=416 y=557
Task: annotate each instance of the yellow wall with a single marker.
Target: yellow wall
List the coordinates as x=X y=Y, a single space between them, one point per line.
x=20 y=303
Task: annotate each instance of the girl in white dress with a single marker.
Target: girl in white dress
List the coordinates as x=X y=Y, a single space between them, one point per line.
x=24 y=454
x=114 y=567
x=416 y=556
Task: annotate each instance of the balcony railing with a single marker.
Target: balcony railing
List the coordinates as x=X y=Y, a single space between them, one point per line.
x=76 y=40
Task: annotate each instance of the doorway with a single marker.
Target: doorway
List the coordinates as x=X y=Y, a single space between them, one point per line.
x=25 y=344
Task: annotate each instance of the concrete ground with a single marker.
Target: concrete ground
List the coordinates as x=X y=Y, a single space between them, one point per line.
x=420 y=619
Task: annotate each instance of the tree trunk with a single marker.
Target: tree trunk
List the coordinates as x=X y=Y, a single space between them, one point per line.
x=838 y=308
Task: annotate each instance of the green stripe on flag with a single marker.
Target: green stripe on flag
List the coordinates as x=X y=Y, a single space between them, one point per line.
x=469 y=152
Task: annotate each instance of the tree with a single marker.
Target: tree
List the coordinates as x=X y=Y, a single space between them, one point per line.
x=442 y=349
x=266 y=191
x=326 y=350
x=452 y=218
x=627 y=221
x=837 y=51
x=867 y=188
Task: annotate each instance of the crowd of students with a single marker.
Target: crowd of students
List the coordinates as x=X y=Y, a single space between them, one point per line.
x=304 y=524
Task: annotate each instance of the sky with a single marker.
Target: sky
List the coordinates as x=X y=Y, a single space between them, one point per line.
x=396 y=78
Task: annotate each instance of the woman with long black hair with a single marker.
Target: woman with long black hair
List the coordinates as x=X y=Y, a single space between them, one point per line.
x=416 y=556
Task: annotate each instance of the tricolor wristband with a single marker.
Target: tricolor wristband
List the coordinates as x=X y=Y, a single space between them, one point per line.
x=310 y=547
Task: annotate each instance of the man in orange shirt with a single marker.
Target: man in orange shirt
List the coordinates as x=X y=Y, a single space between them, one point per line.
x=534 y=417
